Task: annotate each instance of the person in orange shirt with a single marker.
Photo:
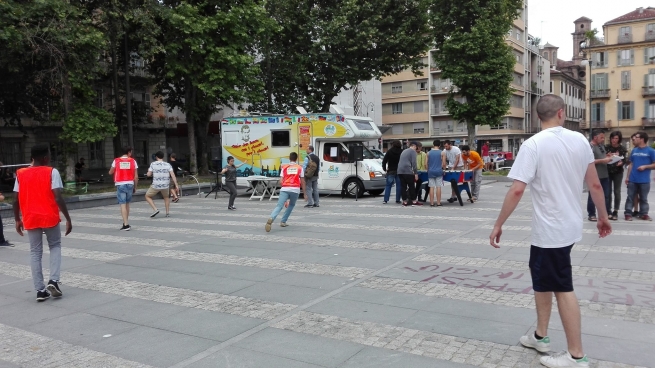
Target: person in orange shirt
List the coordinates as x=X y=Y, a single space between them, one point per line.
x=39 y=200
x=473 y=161
x=292 y=179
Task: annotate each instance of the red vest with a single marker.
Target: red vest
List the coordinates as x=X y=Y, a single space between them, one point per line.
x=291 y=176
x=35 y=197
x=124 y=169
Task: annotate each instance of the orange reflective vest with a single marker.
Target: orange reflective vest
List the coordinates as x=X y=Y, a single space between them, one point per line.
x=124 y=169
x=35 y=197
x=291 y=176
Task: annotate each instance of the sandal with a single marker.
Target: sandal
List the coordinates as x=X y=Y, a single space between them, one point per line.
x=593 y=218
x=175 y=200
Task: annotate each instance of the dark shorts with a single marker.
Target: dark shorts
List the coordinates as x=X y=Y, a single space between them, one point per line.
x=551 y=269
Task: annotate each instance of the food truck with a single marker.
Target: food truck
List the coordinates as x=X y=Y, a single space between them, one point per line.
x=264 y=142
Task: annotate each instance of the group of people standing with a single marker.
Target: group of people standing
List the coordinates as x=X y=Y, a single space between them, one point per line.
x=403 y=167
x=615 y=166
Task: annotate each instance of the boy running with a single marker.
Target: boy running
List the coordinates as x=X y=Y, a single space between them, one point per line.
x=161 y=173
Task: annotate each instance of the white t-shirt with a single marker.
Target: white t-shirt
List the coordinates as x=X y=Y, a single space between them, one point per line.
x=113 y=164
x=161 y=177
x=291 y=189
x=451 y=156
x=56 y=182
x=554 y=163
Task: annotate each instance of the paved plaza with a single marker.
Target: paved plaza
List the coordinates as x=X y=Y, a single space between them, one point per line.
x=349 y=284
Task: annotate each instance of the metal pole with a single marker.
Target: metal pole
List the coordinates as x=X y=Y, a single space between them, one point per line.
x=590 y=76
x=128 y=99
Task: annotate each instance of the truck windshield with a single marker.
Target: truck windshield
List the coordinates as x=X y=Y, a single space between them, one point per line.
x=367 y=153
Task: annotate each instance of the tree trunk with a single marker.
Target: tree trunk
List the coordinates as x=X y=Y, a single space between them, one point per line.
x=128 y=99
x=470 y=126
x=203 y=141
x=117 y=99
x=69 y=147
x=189 y=102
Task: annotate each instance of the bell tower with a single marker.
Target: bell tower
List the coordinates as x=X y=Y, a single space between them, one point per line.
x=582 y=25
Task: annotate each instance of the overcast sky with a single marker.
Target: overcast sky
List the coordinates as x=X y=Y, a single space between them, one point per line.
x=552 y=21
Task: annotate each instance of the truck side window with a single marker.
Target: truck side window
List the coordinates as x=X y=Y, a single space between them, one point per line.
x=332 y=148
x=280 y=138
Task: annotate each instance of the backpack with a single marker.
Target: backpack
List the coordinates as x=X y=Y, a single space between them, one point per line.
x=312 y=168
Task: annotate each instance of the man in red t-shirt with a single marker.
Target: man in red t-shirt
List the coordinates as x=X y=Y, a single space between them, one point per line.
x=485 y=156
x=126 y=179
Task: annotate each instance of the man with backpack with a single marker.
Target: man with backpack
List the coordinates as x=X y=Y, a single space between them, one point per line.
x=310 y=167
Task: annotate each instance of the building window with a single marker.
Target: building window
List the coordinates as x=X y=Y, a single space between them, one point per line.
x=551 y=86
x=599 y=82
x=518 y=79
x=99 y=103
x=561 y=88
x=418 y=106
x=625 y=35
x=649 y=109
x=397 y=108
x=397 y=129
x=518 y=35
x=422 y=86
x=599 y=59
x=625 y=57
x=598 y=111
x=396 y=88
x=96 y=155
x=516 y=101
x=518 y=56
x=419 y=128
x=649 y=54
x=11 y=152
x=625 y=79
x=509 y=34
x=627 y=110
x=546 y=54
x=280 y=138
x=334 y=152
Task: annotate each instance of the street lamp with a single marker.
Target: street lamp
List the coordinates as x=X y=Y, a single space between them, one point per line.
x=586 y=60
x=369 y=105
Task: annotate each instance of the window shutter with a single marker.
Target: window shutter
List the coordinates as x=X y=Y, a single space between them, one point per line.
x=594 y=111
x=605 y=58
x=618 y=57
x=632 y=56
x=619 y=112
x=593 y=82
x=646 y=61
x=645 y=80
x=602 y=111
x=632 y=110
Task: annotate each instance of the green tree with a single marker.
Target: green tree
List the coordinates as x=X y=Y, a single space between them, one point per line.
x=471 y=51
x=208 y=59
x=49 y=62
x=320 y=47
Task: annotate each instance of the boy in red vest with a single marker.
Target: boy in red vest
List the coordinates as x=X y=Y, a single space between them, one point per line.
x=39 y=199
x=292 y=179
x=125 y=178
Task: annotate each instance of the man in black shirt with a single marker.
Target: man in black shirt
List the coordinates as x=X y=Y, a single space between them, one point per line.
x=79 y=166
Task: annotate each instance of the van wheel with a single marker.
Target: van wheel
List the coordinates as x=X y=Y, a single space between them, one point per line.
x=376 y=192
x=353 y=186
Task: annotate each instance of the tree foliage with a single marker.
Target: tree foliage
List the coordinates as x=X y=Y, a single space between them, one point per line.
x=320 y=47
x=208 y=58
x=472 y=52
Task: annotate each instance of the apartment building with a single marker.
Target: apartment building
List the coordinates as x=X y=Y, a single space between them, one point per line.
x=414 y=106
x=621 y=84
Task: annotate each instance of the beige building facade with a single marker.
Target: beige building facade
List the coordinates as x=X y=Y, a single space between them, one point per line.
x=621 y=84
x=414 y=106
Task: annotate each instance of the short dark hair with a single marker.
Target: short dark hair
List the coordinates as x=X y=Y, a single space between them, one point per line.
x=465 y=148
x=311 y=148
x=173 y=156
x=596 y=132
x=548 y=106
x=229 y=158
x=396 y=144
x=127 y=149
x=82 y=159
x=419 y=144
x=159 y=154
x=448 y=141
x=293 y=156
x=616 y=133
x=414 y=143
x=436 y=143
x=40 y=151
x=642 y=135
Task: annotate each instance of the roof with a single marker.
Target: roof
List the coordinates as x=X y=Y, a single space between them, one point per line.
x=549 y=45
x=564 y=64
x=637 y=14
x=582 y=19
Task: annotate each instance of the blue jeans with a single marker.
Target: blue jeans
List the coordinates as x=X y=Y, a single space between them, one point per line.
x=591 y=208
x=391 y=179
x=124 y=193
x=292 y=197
x=637 y=188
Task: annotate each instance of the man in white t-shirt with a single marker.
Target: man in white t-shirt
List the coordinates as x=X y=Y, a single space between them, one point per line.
x=554 y=162
x=161 y=173
x=454 y=161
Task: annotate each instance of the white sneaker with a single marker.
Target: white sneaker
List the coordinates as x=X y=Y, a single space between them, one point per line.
x=529 y=341
x=563 y=359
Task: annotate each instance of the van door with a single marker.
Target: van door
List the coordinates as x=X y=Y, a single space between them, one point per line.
x=334 y=166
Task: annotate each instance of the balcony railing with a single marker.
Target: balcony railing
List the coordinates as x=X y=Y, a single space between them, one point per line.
x=650 y=35
x=648 y=122
x=625 y=38
x=599 y=124
x=600 y=93
x=648 y=91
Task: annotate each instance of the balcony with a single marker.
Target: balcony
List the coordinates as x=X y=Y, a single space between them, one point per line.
x=648 y=122
x=439 y=111
x=601 y=124
x=439 y=90
x=648 y=91
x=625 y=38
x=650 y=35
x=600 y=93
